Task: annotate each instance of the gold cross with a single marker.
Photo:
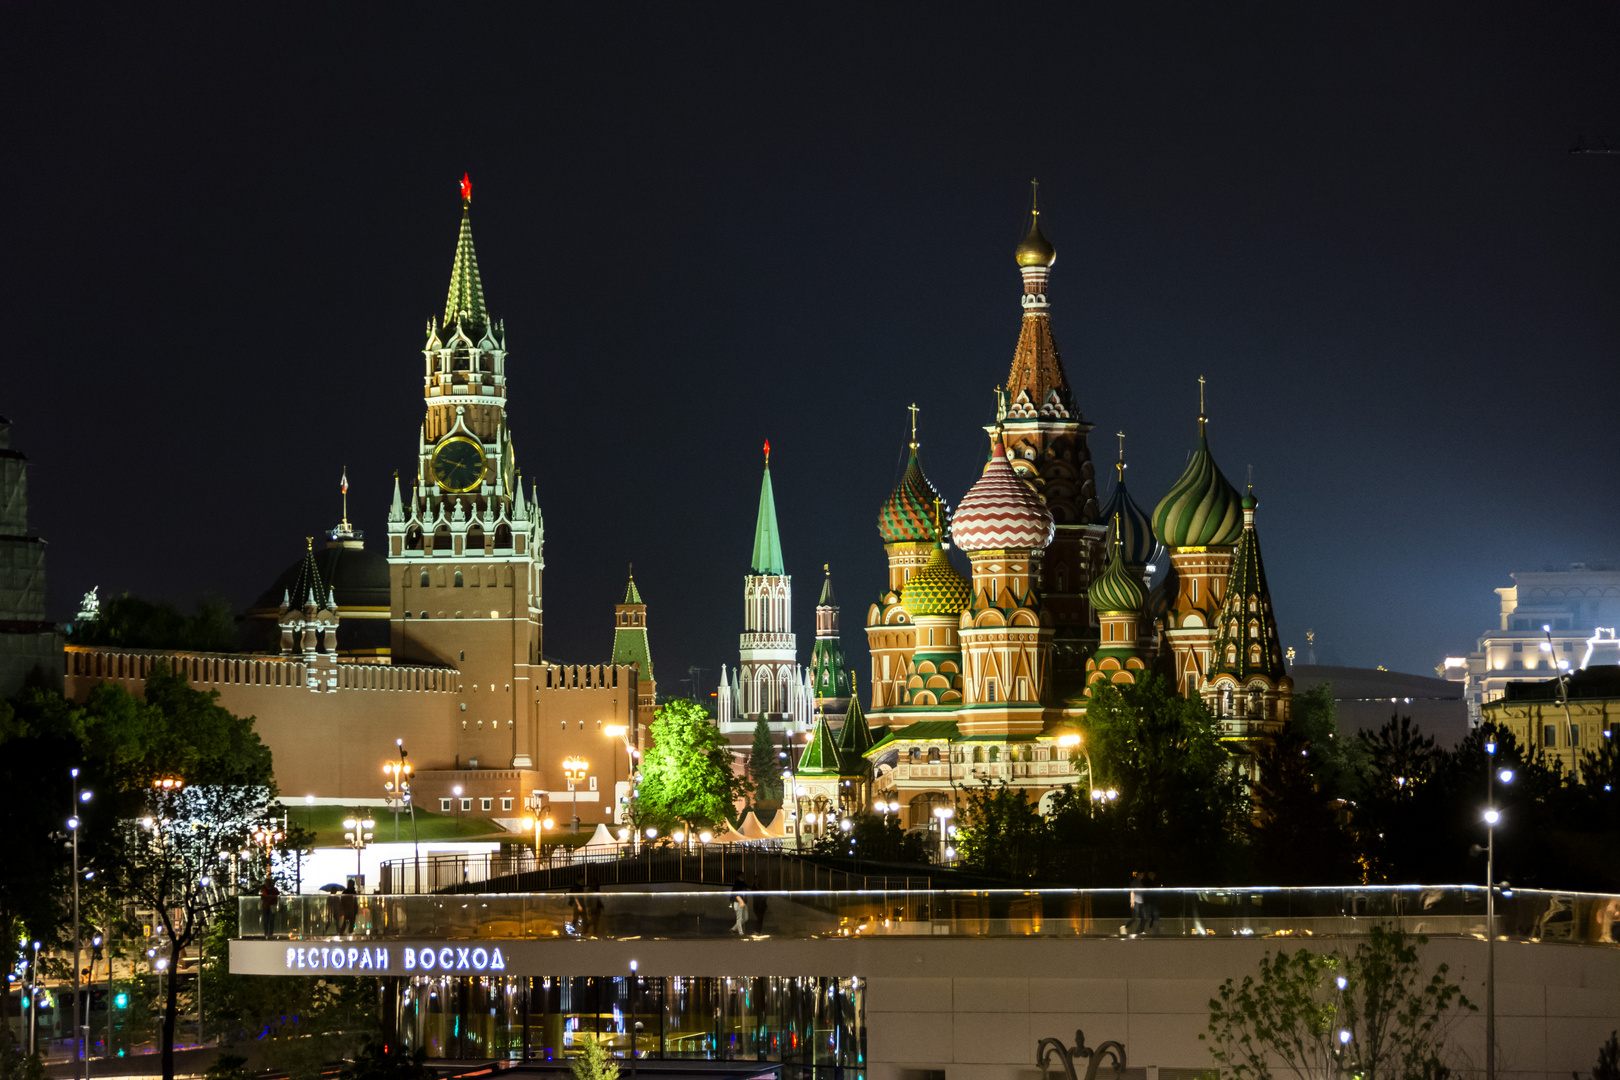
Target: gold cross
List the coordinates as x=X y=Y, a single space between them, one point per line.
x=1035 y=198
x=912 y=408
x=1120 y=467
x=1200 y=395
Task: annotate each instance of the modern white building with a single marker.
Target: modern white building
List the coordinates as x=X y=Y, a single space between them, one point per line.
x=1549 y=619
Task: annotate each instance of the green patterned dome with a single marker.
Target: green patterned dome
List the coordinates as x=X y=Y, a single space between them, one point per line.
x=936 y=589
x=1118 y=589
x=907 y=515
x=1202 y=510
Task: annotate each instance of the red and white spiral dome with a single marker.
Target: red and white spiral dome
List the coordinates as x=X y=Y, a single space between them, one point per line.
x=1001 y=511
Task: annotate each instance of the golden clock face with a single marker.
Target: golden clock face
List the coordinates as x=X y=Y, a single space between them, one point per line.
x=458 y=464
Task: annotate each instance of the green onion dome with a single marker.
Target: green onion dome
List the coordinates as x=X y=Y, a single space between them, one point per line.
x=1202 y=510
x=936 y=589
x=1119 y=588
x=907 y=515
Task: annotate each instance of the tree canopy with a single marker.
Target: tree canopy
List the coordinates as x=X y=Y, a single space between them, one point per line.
x=687 y=776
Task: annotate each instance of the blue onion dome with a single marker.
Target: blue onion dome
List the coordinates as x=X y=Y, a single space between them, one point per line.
x=1035 y=249
x=936 y=589
x=1202 y=509
x=907 y=515
x=1119 y=588
x=1001 y=511
x=1134 y=530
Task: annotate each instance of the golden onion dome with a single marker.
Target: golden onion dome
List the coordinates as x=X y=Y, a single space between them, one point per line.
x=1035 y=250
x=936 y=589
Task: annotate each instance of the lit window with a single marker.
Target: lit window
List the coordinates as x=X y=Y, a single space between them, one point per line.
x=444 y=805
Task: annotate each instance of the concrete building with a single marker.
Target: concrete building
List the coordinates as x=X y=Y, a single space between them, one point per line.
x=1365 y=698
x=1575 y=611
x=1565 y=722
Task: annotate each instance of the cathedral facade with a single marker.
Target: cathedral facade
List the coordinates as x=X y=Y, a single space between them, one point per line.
x=985 y=676
x=435 y=643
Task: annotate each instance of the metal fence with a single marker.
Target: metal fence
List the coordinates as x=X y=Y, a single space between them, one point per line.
x=1523 y=915
x=523 y=871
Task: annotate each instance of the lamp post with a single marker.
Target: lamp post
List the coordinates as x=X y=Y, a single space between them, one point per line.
x=575 y=769
x=622 y=731
x=73 y=827
x=943 y=814
x=1492 y=817
x=33 y=1003
x=1073 y=743
x=358 y=836
x=635 y=1025
x=95 y=945
x=456 y=791
x=403 y=780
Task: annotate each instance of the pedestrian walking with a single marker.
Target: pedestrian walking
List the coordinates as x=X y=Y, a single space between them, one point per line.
x=1138 y=917
x=739 y=907
x=350 y=909
x=1150 y=903
x=269 y=900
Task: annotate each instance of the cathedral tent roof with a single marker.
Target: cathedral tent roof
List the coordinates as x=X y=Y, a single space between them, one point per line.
x=1246 y=642
x=820 y=756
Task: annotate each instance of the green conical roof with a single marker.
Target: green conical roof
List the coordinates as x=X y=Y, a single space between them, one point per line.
x=632 y=595
x=1118 y=589
x=767 y=538
x=821 y=754
x=630 y=644
x=1202 y=509
x=466 y=299
x=854 y=739
x=1246 y=629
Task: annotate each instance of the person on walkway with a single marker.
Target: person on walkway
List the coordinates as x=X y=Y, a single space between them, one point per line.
x=351 y=909
x=1150 y=903
x=334 y=910
x=1138 y=917
x=759 y=909
x=269 y=900
x=739 y=907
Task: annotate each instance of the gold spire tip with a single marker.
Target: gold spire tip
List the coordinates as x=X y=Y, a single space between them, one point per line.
x=912 y=408
x=309 y=543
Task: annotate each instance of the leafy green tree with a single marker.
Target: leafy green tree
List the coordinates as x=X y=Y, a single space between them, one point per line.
x=1295 y=835
x=1295 y=1011
x=592 y=1062
x=1336 y=762
x=1181 y=806
x=1001 y=834
x=764 y=767
x=132 y=623
x=687 y=776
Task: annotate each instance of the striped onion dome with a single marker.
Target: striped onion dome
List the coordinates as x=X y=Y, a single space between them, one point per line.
x=907 y=515
x=1119 y=588
x=1001 y=511
x=1202 y=510
x=1135 y=531
x=936 y=589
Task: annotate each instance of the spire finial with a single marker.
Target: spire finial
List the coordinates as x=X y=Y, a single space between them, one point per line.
x=1120 y=467
x=466 y=188
x=912 y=408
x=632 y=570
x=1035 y=198
x=344 y=486
x=939 y=529
x=767 y=453
x=309 y=543
x=1202 y=416
x=826 y=568
x=1251 y=479
x=1118 y=542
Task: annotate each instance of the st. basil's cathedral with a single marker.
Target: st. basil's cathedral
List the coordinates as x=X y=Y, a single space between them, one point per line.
x=985 y=678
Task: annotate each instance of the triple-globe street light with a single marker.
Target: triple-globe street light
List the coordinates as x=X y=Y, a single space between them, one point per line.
x=575 y=769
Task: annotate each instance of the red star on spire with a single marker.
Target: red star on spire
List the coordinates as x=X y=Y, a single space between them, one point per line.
x=767 y=451
x=466 y=188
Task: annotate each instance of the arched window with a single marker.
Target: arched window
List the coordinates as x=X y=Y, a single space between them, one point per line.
x=978 y=755
x=441 y=539
x=424 y=579
x=1254 y=604
x=933 y=755
x=995 y=754
x=1231 y=654
x=1254 y=654
x=1254 y=629
x=413 y=538
x=503 y=537
x=913 y=755
x=458 y=579
x=475 y=538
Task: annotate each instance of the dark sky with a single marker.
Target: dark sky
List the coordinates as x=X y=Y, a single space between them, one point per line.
x=708 y=226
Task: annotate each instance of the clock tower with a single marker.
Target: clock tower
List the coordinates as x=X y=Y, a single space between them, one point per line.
x=464 y=550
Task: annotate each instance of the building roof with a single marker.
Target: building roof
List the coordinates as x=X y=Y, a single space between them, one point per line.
x=854 y=737
x=767 y=537
x=1132 y=525
x=630 y=644
x=907 y=515
x=921 y=731
x=1001 y=511
x=1119 y=588
x=827 y=597
x=632 y=595
x=466 y=298
x=358 y=579
x=1035 y=249
x=1369 y=684
x=1597 y=681
x=820 y=754
x=1246 y=606
x=1202 y=509
x=936 y=589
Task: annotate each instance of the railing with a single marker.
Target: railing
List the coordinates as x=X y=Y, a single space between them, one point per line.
x=1444 y=911
x=521 y=870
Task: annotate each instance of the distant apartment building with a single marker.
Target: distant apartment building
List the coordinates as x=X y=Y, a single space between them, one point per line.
x=1550 y=619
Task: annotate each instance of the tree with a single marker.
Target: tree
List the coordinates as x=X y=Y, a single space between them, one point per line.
x=201 y=782
x=1608 y=1060
x=686 y=777
x=1002 y=835
x=1335 y=762
x=764 y=767
x=132 y=623
x=1295 y=834
x=1180 y=803
x=592 y=1062
x=873 y=836
x=1368 y=1013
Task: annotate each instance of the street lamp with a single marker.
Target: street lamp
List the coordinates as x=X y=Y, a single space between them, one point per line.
x=402 y=776
x=1492 y=817
x=943 y=814
x=358 y=836
x=1072 y=742
x=456 y=791
x=575 y=769
x=73 y=827
x=622 y=732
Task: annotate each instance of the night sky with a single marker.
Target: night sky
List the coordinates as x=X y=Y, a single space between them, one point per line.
x=708 y=226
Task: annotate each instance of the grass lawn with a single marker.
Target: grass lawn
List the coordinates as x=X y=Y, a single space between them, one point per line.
x=327 y=823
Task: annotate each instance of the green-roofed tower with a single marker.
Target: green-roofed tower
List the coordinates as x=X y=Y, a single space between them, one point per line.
x=828 y=673
x=767 y=537
x=630 y=646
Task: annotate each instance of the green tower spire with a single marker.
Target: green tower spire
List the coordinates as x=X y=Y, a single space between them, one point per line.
x=767 y=538
x=466 y=299
x=630 y=631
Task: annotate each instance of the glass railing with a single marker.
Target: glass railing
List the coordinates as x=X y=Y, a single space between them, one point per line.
x=1521 y=914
